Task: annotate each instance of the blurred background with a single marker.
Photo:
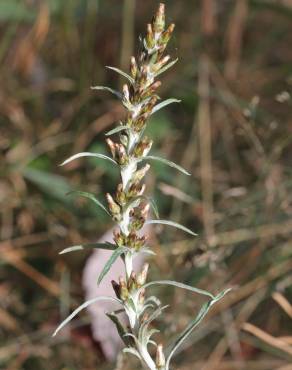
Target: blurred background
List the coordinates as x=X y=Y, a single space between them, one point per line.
x=232 y=131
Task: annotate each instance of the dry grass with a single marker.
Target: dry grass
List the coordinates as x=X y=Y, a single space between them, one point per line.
x=232 y=131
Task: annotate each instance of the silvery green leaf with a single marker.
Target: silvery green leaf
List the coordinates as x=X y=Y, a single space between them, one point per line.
x=166 y=67
x=143 y=330
x=91 y=197
x=146 y=306
x=193 y=324
x=153 y=316
x=131 y=304
x=116 y=93
x=80 y=308
x=132 y=351
x=171 y=223
x=120 y=328
x=219 y=296
x=116 y=130
x=131 y=336
x=87 y=154
x=153 y=299
x=154 y=207
x=116 y=254
x=153 y=331
x=147 y=251
x=74 y=248
x=179 y=285
x=202 y=313
x=164 y=104
x=124 y=74
x=167 y=162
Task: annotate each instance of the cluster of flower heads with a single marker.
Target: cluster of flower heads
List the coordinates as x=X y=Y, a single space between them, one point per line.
x=128 y=207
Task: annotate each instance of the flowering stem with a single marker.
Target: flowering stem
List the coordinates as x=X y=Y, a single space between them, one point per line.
x=128 y=206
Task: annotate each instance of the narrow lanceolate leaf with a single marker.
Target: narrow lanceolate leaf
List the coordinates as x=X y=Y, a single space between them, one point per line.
x=116 y=254
x=74 y=248
x=171 y=223
x=165 y=68
x=154 y=207
x=168 y=163
x=180 y=285
x=120 y=328
x=105 y=88
x=87 y=154
x=193 y=324
x=91 y=197
x=116 y=130
x=221 y=295
x=183 y=336
x=151 y=318
x=80 y=308
x=148 y=251
x=122 y=73
x=164 y=104
x=133 y=352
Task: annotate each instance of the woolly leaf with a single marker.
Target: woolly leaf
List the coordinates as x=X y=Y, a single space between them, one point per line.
x=171 y=223
x=147 y=251
x=116 y=130
x=164 y=104
x=80 y=308
x=120 y=328
x=193 y=324
x=74 y=248
x=116 y=254
x=91 y=197
x=202 y=313
x=87 y=154
x=122 y=73
x=154 y=207
x=151 y=318
x=168 y=163
x=180 y=285
x=105 y=88
x=132 y=351
x=143 y=330
x=165 y=68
